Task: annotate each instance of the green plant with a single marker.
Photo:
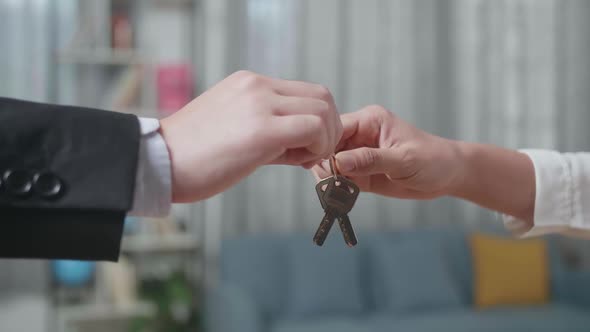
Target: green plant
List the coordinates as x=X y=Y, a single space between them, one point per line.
x=175 y=300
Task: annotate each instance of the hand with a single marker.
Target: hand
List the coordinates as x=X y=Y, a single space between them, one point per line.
x=385 y=155
x=243 y=122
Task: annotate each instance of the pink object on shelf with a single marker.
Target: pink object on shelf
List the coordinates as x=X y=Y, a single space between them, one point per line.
x=175 y=86
x=122 y=32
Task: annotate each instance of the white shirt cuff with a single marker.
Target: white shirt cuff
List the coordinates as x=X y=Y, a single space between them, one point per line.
x=153 y=183
x=562 y=183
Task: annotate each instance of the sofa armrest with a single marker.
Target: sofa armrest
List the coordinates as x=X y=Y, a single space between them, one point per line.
x=573 y=288
x=231 y=309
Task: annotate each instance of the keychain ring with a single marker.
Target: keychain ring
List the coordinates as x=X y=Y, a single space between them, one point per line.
x=333 y=167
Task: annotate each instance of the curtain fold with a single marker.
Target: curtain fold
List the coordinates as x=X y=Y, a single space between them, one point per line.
x=25 y=60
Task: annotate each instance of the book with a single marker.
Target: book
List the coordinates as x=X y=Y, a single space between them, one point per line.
x=174 y=87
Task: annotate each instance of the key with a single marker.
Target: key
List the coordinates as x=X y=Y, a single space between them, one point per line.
x=347 y=231
x=337 y=196
x=320 y=189
x=340 y=195
x=328 y=220
x=325 y=225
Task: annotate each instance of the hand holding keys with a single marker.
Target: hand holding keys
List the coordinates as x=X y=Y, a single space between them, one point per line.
x=337 y=196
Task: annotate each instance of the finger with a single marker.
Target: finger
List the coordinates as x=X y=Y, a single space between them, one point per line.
x=369 y=161
x=287 y=105
x=296 y=157
x=359 y=129
x=315 y=91
x=338 y=133
x=310 y=164
x=363 y=127
x=316 y=174
x=321 y=170
x=382 y=185
x=302 y=89
x=300 y=131
x=350 y=125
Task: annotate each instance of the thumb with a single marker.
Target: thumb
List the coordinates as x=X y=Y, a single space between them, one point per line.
x=366 y=161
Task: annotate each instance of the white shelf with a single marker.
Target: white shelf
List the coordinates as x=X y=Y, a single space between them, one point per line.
x=150 y=244
x=105 y=56
x=164 y=2
x=102 y=312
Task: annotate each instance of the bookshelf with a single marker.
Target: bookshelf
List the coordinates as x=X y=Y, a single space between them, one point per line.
x=152 y=244
x=103 y=56
x=134 y=56
x=119 y=55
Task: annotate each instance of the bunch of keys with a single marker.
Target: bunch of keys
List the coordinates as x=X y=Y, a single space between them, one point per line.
x=337 y=195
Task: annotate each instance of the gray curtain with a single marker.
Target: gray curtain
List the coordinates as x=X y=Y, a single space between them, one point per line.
x=25 y=37
x=25 y=73
x=510 y=72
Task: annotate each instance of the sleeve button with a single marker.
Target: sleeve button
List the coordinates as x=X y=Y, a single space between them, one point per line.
x=17 y=182
x=47 y=185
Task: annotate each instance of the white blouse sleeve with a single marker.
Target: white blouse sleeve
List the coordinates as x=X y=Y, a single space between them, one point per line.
x=562 y=199
x=153 y=184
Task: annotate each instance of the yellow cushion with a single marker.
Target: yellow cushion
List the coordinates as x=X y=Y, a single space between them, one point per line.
x=509 y=271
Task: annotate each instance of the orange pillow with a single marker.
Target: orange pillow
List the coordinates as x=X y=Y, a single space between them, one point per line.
x=509 y=271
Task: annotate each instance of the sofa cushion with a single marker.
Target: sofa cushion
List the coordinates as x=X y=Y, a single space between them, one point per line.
x=323 y=280
x=549 y=318
x=453 y=246
x=417 y=276
x=322 y=324
x=509 y=271
x=574 y=288
x=257 y=265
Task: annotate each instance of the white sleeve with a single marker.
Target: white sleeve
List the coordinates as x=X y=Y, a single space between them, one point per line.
x=153 y=183
x=562 y=195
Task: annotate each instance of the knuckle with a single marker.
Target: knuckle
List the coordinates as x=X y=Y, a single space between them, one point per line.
x=324 y=93
x=339 y=131
x=249 y=80
x=254 y=81
x=369 y=158
x=323 y=107
x=378 y=111
x=240 y=74
x=314 y=124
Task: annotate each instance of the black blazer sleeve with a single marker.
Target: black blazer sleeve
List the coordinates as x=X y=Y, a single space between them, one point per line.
x=67 y=180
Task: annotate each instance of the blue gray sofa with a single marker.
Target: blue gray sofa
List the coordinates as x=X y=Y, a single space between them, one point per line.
x=416 y=281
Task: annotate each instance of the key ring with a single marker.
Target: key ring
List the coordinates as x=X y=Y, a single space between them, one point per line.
x=333 y=167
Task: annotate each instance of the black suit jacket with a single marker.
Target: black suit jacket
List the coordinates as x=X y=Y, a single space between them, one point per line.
x=67 y=180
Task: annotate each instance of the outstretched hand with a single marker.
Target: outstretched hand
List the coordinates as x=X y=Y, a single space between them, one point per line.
x=246 y=121
x=385 y=155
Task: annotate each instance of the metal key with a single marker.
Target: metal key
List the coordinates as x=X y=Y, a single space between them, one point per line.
x=328 y=219
x=340 y=197
x=337 y=196
x=347 y=231
x=341 y=194
x=320 y=189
